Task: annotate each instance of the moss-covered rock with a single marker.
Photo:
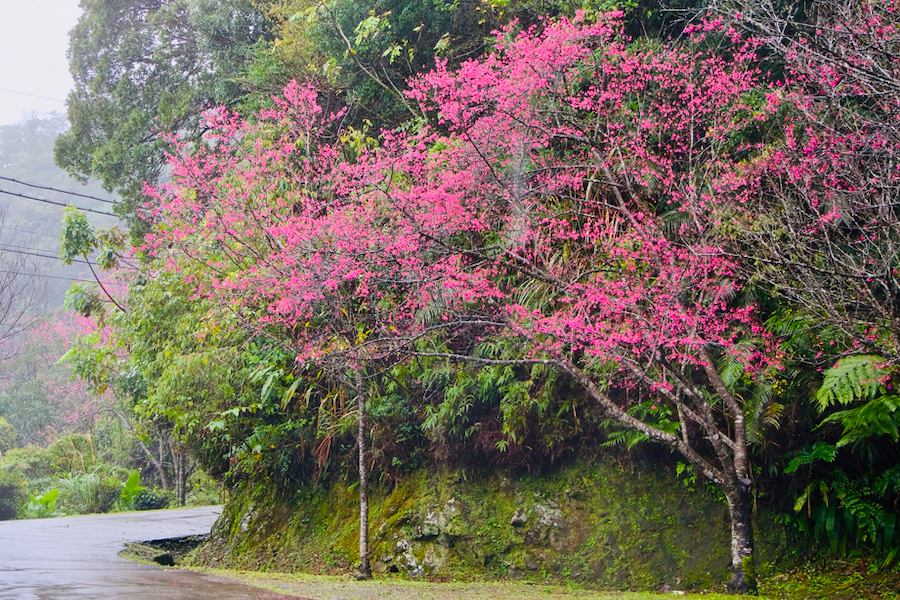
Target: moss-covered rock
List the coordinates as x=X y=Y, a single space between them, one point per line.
x=610 y=525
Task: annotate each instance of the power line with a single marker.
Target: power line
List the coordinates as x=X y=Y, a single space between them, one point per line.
x=7 y=249
x=20 y=247
x=49 y=235
x=55 y=277
x=99 y=212
x=32 y=95
x=53 y=189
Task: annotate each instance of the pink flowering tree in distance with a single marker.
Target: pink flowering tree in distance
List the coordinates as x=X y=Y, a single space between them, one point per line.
x=561 y=211
x=39 y=394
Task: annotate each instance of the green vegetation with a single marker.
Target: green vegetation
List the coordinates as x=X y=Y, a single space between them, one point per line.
x=589 y=292
x=71 y=477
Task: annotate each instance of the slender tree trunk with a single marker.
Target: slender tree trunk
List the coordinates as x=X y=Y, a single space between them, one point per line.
x=157 y=464
x=743 y=560
x=179 y=481
x=178 y=463
x=364 y=570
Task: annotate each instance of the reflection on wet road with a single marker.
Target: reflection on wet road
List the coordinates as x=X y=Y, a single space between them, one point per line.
x=77 y=558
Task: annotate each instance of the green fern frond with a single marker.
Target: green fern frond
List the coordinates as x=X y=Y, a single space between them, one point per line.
x=880 y=416
x=731 y=370
x=852 y=379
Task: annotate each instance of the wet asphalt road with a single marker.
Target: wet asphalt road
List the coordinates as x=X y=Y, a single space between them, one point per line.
x=77 y=558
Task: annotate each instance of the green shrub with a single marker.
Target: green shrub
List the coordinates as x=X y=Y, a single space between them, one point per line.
x=41 y=505
x=150 y=500
x=7 y=436
x=106 y=495
x=13 y=494
x=73 y=453
x=131 y=489
x=30 y=462
x=204 y=490
x=88 y=493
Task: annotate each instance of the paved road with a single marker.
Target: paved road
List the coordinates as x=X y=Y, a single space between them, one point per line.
x=77 y=558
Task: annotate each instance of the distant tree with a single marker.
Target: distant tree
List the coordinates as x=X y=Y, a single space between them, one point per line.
x=7 y=436
x=22 y=286
x=37 y=394
x=26 y=156
x=143 y=67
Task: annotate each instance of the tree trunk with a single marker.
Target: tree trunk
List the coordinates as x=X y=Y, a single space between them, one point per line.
x=743 y=560
x=157 y=464
x=178 y=462
x=364 y=570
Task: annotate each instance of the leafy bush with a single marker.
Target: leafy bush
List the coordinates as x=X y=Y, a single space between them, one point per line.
x=131 y=488
x=150 y=500
x=41 y=505
x=30 y=462
x=204 y=490
x=7 y=436
x=106 y=495
x=89 y=493
x=13 y=494
x=73 y=453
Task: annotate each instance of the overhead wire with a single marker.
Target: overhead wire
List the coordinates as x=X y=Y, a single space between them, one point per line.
x=53 y=189
x=55 y=277
x=55 y=236
x=38 y=254
x=32 y=95
x=99 y=212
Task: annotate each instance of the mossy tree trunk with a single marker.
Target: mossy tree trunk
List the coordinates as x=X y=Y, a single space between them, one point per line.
x=740 y=509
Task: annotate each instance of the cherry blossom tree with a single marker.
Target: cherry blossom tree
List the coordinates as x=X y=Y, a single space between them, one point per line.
x=819 y=218
x=565 y=201
x=38 y=394
x=823 y=205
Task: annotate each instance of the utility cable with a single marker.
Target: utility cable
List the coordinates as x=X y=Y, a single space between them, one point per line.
x=39 y=255
x=53 y=189
x=99 y=212
x=32 y=95
x=52 y=276
x=29 y=232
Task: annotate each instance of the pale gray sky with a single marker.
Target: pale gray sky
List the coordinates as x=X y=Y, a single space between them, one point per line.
x=33 y=41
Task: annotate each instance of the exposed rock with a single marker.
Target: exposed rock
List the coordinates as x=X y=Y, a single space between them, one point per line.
x=519 y=518
x=165 y=559
x=550 y=528
x=244 y=524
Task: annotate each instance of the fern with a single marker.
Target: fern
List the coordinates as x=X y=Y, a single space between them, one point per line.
x=880 y=416
x=811 y=454
x=852 y=379
x=731 y=370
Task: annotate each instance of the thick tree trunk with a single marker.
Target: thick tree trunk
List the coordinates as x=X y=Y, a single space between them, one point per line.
x=743 y=559
x=364 y=570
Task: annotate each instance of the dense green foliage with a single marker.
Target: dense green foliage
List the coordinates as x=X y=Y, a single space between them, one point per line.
x=218 y=380
x=145 y=67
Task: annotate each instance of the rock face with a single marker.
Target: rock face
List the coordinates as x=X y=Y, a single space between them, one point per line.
x=606 y=525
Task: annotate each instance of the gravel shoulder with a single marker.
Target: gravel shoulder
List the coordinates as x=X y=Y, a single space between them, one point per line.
x=323 y=587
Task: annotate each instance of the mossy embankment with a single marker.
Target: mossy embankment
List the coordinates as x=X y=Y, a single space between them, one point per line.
x=610 y=525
